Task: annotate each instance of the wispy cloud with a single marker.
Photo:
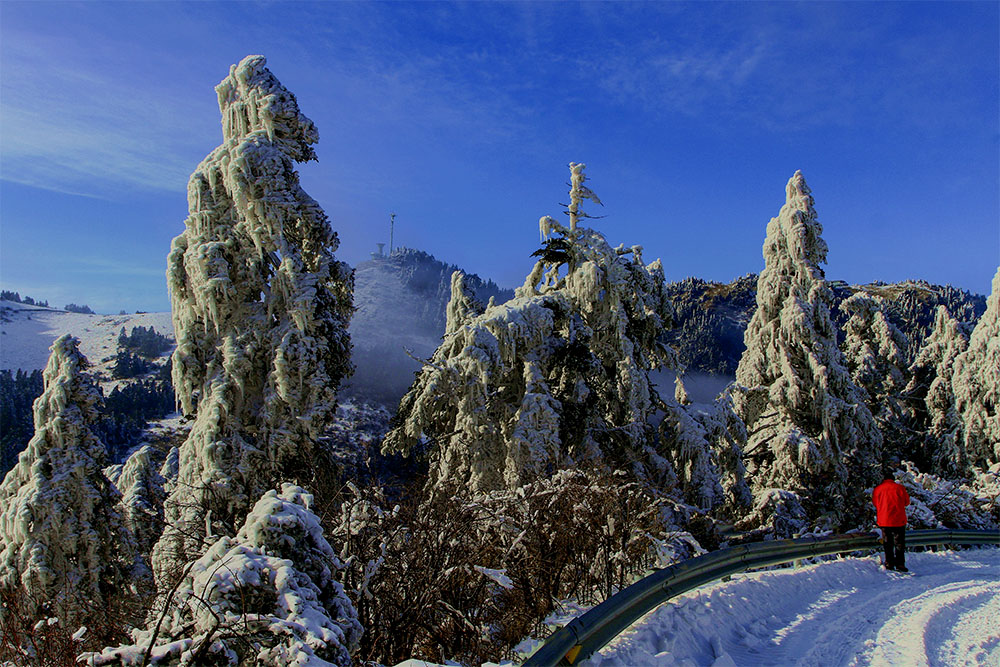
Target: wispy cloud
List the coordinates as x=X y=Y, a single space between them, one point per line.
x=74 y=130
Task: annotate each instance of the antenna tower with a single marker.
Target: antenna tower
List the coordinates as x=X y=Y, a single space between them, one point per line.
x=392 y=225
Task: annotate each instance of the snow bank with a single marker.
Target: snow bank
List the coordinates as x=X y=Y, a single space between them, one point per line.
x=843 y=612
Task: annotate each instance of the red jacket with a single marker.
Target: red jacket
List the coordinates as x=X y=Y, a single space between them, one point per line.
x=890 y=500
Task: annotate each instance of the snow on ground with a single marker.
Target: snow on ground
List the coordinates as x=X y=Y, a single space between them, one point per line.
x=842 y=612
x=27 y=333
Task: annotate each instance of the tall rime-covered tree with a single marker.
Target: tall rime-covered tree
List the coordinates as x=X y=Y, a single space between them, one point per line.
x=141 y=507
x=976 y=384
x=559 y=374
x=930 y=398
x=61 y=539
x=809 y=431
x=260 y=308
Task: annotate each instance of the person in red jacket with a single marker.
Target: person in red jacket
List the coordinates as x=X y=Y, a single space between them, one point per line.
x=890 y=501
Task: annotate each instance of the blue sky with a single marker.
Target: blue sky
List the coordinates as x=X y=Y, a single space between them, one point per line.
x=462 y=118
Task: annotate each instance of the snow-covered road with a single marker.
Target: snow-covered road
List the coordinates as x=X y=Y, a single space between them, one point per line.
x=843 y=612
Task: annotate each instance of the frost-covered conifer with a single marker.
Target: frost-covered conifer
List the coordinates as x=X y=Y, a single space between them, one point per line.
x=930 y=399
x=260 y=308
x=873 y=348
x=809 y=431
x=266 y=597
x=977 y=385
x=559 y=374
x=462 y=306
x=874 y=352
x=704 y=445
x=61 y=539
x=141 y=506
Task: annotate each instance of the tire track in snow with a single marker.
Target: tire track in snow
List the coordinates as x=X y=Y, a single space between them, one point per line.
x=943 y=618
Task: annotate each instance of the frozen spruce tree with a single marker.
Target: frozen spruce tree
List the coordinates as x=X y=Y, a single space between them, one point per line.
x=874 y=351
x=142 y=495
x=61 y=540
x=977 y=385
x=704 y=445
x=260 y=308
x=557 y=375
x=266 y=597
x=936 y=426
x=808 y=429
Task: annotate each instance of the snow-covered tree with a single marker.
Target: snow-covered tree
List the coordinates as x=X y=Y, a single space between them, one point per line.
x=558 y=374
x=936 y=502
x=874 y=351
x=704 y=445
x=873 y=348
x=61 y=540
x=930 y=398
x=141 y=506
x=266 y=597
x=809 y=431
x=976 y=385
x=260 y=308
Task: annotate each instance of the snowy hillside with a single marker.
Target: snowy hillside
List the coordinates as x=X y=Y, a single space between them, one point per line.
x=27 y=333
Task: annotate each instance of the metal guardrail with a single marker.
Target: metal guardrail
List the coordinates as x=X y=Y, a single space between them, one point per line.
x=589 y=632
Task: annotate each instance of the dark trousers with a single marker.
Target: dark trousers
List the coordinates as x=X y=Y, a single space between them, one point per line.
x=894 y=541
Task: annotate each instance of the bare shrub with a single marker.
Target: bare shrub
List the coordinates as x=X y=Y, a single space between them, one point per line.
x=467 y=578
x=31 y=635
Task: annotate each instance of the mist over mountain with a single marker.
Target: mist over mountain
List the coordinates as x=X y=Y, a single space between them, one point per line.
x=400 y=301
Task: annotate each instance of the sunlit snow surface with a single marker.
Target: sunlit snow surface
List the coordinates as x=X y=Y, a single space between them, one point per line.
x=27 y=333
x=844 y=612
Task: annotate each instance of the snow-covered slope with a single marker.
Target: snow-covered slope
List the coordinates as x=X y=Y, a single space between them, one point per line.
x=27 y=333
x=843 y=612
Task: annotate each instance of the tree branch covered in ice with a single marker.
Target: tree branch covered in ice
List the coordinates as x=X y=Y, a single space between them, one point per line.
x=809 y=431
x=930 y=399
x=260 y=308
x=874 y=353
x=61 y=540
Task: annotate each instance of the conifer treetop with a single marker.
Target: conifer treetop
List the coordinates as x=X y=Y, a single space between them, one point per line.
x=60 y=536
x=251 y=99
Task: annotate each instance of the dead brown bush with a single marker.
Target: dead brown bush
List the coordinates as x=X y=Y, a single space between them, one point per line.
x=420 y=572
x=31 y=635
